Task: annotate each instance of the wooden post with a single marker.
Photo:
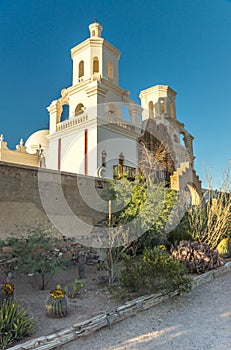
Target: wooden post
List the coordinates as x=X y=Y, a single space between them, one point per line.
x=109 y=213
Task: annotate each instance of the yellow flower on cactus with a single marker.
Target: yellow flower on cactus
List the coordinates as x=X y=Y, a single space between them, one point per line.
x=163 y=247
x=57 y=293
x=8 y=288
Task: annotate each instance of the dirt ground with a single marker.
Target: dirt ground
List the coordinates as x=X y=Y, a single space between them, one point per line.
x=199 y=320
x=93 y=298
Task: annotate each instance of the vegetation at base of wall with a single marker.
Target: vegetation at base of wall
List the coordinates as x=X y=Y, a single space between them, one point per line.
x=181 y=233
x=137 y=208
x=210 y=221
x=15 y=323
x=147 y=205
x=37 y=254
x=155 y=271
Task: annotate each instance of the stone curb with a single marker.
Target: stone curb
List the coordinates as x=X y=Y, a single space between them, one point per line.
x=115 y=315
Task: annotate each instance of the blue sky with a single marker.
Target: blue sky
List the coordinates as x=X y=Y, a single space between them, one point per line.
x=182 y=43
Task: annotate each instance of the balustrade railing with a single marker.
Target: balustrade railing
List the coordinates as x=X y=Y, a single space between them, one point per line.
x=73 y=121
x=124 y=170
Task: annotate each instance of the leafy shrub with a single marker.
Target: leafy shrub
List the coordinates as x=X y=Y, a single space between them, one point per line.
x=37 y=254
x=148 y=240
x=14 y=323
x=180 y=233
x=156 y=271
x=197 y=257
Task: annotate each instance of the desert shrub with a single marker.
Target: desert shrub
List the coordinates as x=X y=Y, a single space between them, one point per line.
x=15 y=323
x=224 y=248
x=197 y=257
x=156 y=271
x=181 y=233
x=148 y=240
x=210 y=220
x=37 y=254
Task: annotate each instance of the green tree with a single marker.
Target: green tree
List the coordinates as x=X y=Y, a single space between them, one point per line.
x=136 y=208
x=37 y=253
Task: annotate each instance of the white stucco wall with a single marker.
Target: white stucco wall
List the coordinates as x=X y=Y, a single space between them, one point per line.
x=73 y=151
x=115 y=143
x=52 y=157
x=109 y=56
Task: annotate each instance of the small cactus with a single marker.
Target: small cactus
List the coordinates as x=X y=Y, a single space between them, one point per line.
x=224 y=248
x=56 y=305
x=6 y=292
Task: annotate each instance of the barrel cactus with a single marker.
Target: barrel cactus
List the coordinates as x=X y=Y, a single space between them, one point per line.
x=6 y=292
x=56 y=305
x=224 y=248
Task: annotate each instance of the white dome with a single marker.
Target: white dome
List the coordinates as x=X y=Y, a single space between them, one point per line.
x=37 y=139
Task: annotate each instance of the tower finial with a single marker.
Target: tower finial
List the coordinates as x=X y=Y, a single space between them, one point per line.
x=95 y=29
x=95 y=20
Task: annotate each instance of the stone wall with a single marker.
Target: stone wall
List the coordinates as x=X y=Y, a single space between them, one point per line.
x=21 y=188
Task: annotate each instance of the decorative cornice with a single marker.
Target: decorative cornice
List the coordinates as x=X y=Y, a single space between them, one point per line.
x=110 y=86
x=96 y=88
x=79 y=87
x=155 y=89
x=111 y=48
x=121 y=127
x=72 y=129
x=94 y=42
x=104 y=84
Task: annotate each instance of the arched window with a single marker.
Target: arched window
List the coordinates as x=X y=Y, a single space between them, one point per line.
x=65 y=113
x=110 y=70
x=81 y=69
x=110 y=108
x=79 y=109
x=150 y=109
x=162 y=106
x=182 y=139
x=95 y=65
x=93 y=33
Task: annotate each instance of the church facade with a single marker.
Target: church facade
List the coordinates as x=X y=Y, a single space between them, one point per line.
x=104 y=129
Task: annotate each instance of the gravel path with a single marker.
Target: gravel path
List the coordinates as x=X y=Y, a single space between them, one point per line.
x=198 y=320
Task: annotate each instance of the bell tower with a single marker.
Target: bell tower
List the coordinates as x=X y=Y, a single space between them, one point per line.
x=94 y=101
x=95 y=58
x=158 y=101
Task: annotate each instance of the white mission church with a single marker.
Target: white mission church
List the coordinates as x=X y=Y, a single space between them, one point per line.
x=100 y=135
